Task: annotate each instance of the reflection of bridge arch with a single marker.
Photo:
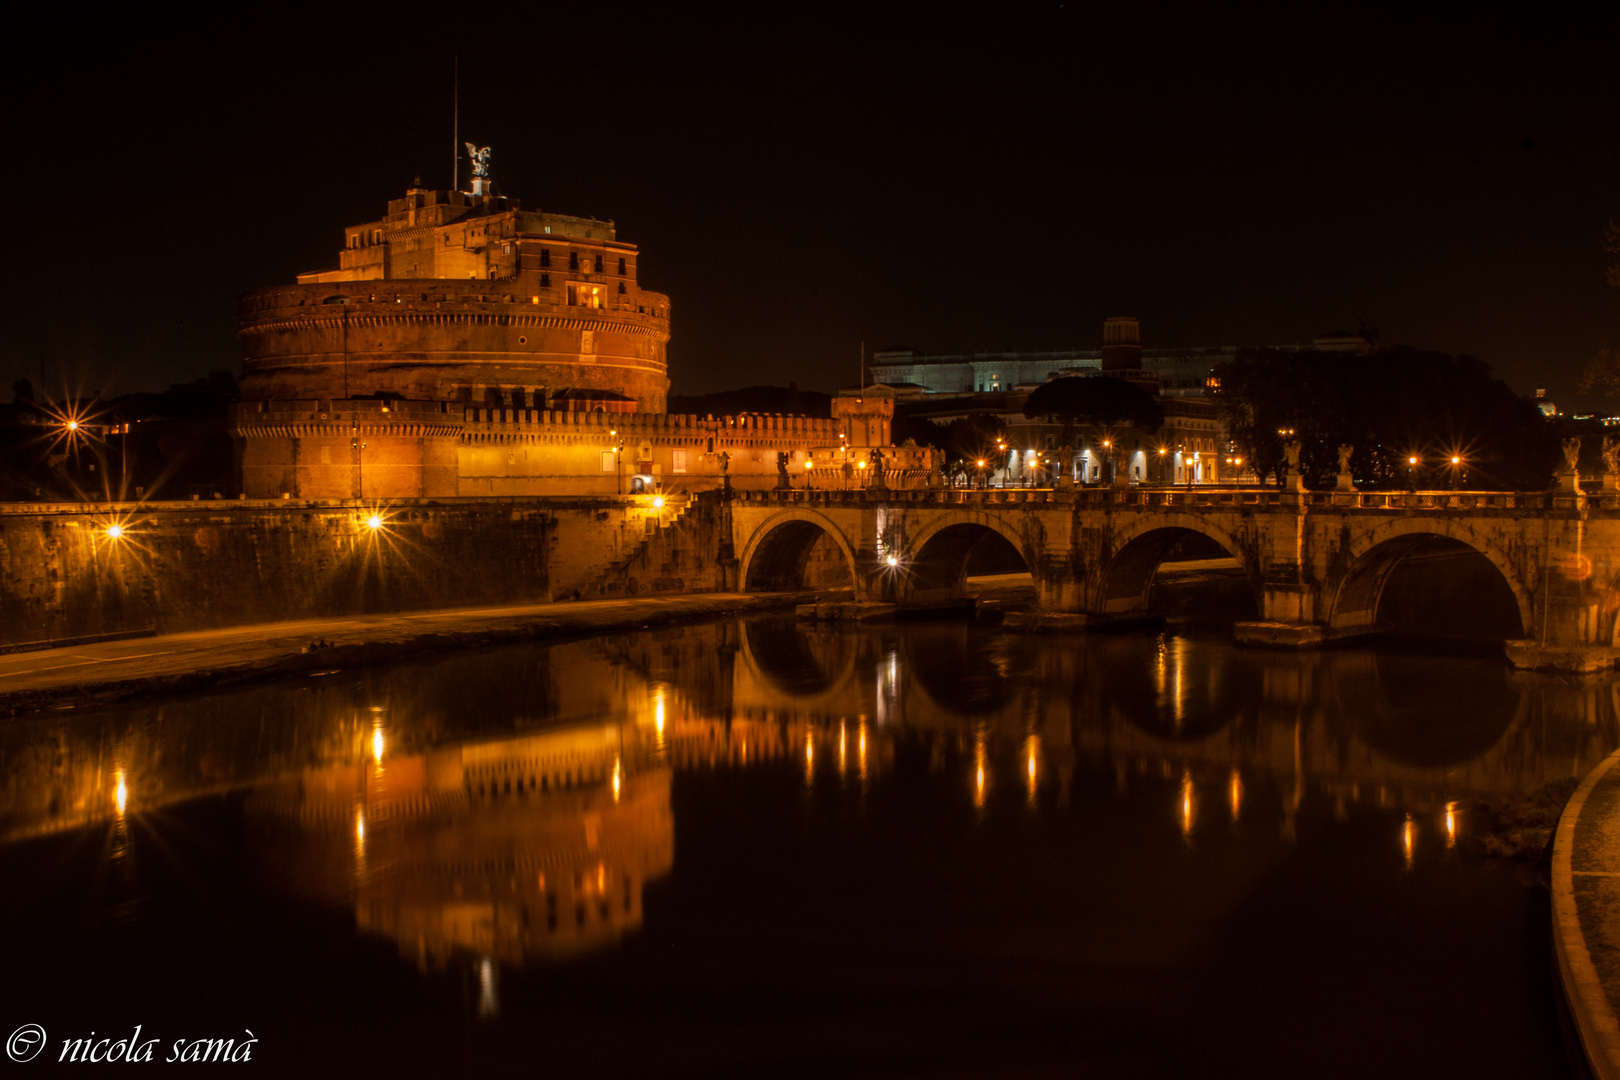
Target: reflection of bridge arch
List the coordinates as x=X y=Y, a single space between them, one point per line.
x=776 y=553
x=965 y=671
x=1356 y=589
x=939 y=552
x=1140 y=548
x=801 y=662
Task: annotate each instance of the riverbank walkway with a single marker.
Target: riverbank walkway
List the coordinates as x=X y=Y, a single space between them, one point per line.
x=1586 y=914
x=110 y=671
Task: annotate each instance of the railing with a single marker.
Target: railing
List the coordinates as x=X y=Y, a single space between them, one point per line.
x=1210 y=498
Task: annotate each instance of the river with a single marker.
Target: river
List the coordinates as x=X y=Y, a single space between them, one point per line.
x=764 y=848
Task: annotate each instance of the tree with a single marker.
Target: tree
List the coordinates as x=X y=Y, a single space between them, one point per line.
x=1092 y=400
x=1391 y=406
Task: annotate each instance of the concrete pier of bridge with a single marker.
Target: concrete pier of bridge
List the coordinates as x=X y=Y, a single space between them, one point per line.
x=1320 y=564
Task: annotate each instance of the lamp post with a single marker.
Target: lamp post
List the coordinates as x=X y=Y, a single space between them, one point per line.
x=618 y=455
x=1411 y=473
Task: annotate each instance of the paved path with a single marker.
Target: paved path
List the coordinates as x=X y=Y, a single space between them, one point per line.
x=117 y=670
x=1586 y=914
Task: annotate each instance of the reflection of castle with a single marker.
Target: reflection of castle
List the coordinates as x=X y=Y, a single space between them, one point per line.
x=520 y=849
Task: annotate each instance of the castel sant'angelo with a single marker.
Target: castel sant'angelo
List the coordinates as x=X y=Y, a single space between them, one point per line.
x=468 y=346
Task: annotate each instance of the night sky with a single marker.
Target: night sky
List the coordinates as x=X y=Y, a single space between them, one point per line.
x=802 y=180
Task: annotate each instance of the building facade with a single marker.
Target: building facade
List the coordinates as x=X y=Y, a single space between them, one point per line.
x=1190 y=447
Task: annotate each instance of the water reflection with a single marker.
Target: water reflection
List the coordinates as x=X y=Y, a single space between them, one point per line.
x=511 y=807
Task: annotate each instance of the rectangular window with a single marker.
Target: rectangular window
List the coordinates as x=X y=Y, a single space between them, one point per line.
x=680 y=461
x=326 y=455
x=545 y=281
x=621 y=266
x=607 y=461
x=599 y=264
x=545 y=255
x=573 y=260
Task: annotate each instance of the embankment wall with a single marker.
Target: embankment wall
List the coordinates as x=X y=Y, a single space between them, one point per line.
x=210 y=564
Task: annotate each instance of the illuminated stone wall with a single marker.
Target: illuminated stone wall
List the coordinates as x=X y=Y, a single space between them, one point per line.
x=199 y=565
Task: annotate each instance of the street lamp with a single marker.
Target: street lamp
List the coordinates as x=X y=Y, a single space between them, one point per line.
x=618 y=464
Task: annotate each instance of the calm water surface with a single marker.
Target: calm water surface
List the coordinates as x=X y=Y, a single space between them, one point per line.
x=762 y=849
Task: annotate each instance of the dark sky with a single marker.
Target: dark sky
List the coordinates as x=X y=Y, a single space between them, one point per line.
x=802 y=180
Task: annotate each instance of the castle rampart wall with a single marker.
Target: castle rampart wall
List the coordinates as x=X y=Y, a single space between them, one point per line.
x=446 y=340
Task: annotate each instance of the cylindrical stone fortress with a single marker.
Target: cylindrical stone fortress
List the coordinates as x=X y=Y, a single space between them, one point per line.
x=466 y=298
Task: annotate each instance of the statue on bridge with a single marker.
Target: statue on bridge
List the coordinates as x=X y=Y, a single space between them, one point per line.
x=1291 y=450
x=1569 y=480
x=1345 y=482
x=877 y=467
x=1611 y=463
x=783 y=483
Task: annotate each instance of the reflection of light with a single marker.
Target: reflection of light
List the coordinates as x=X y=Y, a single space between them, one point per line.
x=978 y=772
x=1408 y=839
x=1451 y=824
x=1033 y=752
x=601 y=878
x=377 y=745
x=658 y=717
x=489 y=1005
x=360 y=827
x=842 y=739
x=1234 y=791
x=1189 y=804
x=618 y=779
x=121 y=793
x=861 y=750
x=809 y=756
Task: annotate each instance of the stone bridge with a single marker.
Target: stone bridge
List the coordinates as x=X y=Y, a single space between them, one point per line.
x=1317 y=562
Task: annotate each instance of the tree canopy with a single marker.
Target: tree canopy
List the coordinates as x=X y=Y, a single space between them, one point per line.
x=965 y=439
x=1391 y=405
x=1094 y=399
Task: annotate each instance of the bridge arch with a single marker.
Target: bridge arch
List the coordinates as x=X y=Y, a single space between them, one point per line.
x=1140 y=547
x=1356 y=592
x=775 y=555
x=939 y=553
